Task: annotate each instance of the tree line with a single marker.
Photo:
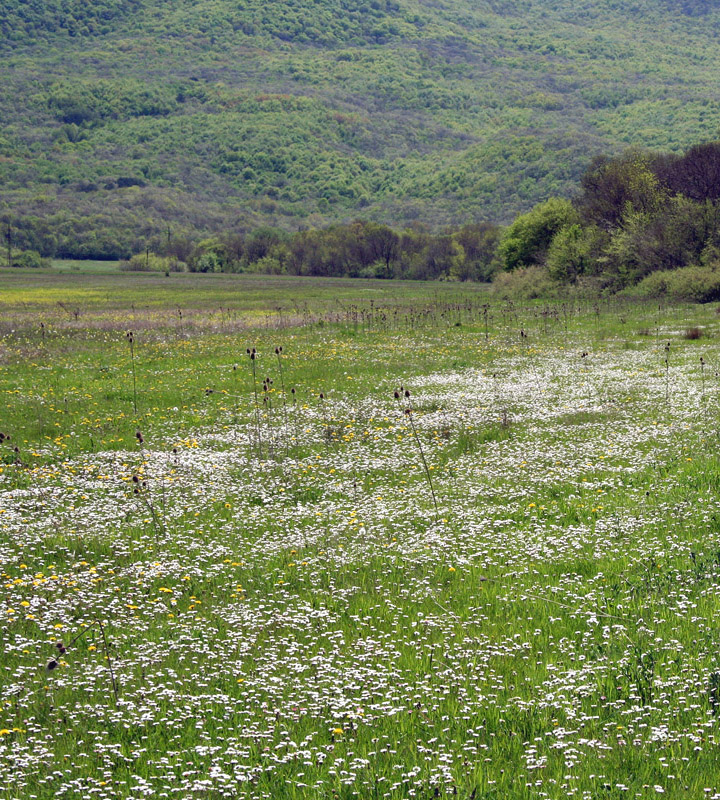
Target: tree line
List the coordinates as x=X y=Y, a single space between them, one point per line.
x=634 y=214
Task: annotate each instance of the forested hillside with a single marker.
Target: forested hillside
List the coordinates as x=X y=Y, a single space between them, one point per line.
x=130 y=121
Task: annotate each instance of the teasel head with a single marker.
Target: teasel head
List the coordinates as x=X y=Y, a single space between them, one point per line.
x=278 y=350
x=139 y=437
x=52 y=664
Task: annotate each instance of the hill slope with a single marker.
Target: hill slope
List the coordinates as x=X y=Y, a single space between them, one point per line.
x=141 y=115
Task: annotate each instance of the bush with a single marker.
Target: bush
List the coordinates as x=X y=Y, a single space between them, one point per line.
x=29 y=258
x=151 y=262
x=524 y=284
x=267 y=265
x=697 y=284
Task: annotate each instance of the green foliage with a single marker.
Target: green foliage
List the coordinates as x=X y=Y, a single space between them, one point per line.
x=638 y=214
x=151 y=262
x=235 y=114
x=28 y=258
x=698 y=284
x=571 y=252
x=524 y=283
x=77 y=102
x=24 y=21
x=616 y=188
x=527 y=239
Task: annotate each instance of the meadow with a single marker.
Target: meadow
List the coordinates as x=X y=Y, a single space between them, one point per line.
x=306 y=538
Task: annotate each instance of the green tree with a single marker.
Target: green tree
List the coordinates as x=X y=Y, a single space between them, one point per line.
x=526 y=241
x=572 y=252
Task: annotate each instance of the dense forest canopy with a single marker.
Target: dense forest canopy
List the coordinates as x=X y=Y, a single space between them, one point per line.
x=139 y=116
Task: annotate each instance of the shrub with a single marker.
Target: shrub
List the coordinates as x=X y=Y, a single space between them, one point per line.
x=693 y=333
x=29 y=258
x=151 y=262
x=524 y=284
x=698 y=284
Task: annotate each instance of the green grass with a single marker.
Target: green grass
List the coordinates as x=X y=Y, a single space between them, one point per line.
x=286 y=614
x=86 y=266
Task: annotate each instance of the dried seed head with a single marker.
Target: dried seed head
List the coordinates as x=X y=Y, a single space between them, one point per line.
x=397 y=395
x=407 y=393
x=52 y=664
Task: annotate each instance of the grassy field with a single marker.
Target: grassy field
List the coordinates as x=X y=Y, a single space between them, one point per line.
x=86 y=266
x=271 y=578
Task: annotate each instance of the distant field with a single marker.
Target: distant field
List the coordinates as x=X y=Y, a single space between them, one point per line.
x=98 y=297
x=85 y=266
x=271 y=578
